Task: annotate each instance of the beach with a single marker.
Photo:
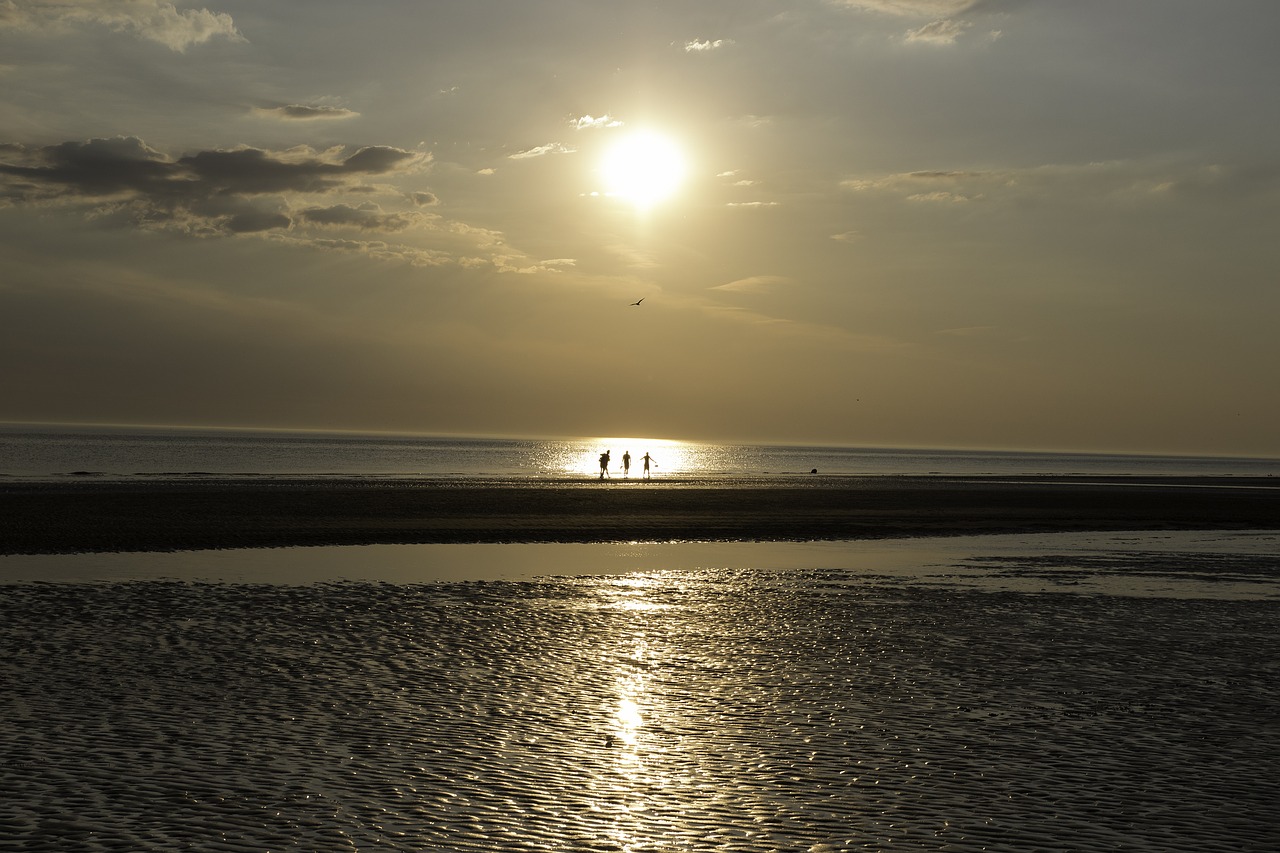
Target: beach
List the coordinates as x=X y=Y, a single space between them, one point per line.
x=948 y=690
x=173 y=514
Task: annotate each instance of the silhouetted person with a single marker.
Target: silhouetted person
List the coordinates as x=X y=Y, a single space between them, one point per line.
x=604 y=464
x=626 y=463
x=647 y=459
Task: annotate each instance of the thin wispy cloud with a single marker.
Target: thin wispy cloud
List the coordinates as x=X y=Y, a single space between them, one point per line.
x=1127 y=182
x=542 y=151
x=306 y=112
x=940 y=197
x=938 y=32
x=753 y=284
x=706 y=46
x=588 y=122
x=912 y=8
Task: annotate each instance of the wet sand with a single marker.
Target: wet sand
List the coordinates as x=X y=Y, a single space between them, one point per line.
x=80 y=516
x=731 y=710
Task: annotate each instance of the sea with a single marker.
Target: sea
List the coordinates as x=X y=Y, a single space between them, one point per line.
x=1048 y=692
x=59 y=451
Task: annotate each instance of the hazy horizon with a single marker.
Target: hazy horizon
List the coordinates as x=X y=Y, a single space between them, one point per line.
x=620 y=441
x=946 y=224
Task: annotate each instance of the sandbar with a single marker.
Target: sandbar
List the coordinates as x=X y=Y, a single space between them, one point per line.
x=80 y=516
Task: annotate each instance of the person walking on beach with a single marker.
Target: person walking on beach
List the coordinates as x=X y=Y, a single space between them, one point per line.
x=604 y=464
x=647 y=459
x=626 y=463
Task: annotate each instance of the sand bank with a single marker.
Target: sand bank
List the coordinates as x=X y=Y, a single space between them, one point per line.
x=82 y=516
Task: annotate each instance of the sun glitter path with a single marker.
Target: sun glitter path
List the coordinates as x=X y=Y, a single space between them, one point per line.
x=732 y=710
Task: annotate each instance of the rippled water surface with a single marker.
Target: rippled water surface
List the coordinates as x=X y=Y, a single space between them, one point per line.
x=710 y=709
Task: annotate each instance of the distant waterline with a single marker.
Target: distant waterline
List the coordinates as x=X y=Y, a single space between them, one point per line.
x=60 y=452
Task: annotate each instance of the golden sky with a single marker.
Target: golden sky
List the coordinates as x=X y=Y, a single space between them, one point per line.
x=930 y=223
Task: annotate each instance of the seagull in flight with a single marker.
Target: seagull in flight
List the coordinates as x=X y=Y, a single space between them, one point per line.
x=641 y=299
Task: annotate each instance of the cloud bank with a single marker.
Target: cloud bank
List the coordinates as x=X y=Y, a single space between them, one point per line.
x=153 y=20
x=242 y=190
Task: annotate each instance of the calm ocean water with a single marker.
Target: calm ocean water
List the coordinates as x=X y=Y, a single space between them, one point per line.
x=56 y=452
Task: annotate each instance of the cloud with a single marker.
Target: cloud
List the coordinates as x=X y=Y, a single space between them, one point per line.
x=937 y=32
x=252 y=222
x=254 y=170
x=753 y=284
x=376 y=250
x=592 y=122
x=288 y=198
x=1113 y=183
x=235 y=191
x=368 y=216
x=98 y=167
x=126 y=164
x=940 y=197
x=752 y=204
x=706 y=46
x=943 y=27
x=153 y=20
x=913 y=8
x=912 y=182
x=303 y=112
x=543 y=150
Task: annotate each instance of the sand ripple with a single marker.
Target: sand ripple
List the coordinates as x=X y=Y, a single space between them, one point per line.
x=683 y=711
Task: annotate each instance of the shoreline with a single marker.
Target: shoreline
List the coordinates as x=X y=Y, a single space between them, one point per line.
x=86 y=516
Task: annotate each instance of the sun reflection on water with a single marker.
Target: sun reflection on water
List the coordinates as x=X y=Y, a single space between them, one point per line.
x=634 y=776
x=667 y=458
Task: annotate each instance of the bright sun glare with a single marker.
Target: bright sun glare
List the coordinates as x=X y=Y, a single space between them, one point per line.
x=643 y=168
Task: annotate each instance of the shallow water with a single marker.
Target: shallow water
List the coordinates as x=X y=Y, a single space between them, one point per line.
x=1216 y=564
x=988 y=700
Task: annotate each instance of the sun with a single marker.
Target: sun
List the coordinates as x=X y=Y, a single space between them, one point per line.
x=644 y=168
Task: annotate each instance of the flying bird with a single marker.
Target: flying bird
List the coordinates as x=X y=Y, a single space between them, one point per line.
x=638 y=301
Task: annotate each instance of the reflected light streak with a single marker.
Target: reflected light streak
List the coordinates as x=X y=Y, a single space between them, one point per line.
x=669 y=458
x=643 y=757
x=629 y=722
x=627 y=593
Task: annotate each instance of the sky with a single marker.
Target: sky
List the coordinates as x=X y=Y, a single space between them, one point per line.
x=1012 y=224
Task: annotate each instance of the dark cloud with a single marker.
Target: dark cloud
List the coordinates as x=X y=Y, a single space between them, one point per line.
x=253 y=170
x=377 y=159
x=366 y=216
x=217 y=186
x=255 y=221
x=424 y=199
x=97 y=167
x=127 y=164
